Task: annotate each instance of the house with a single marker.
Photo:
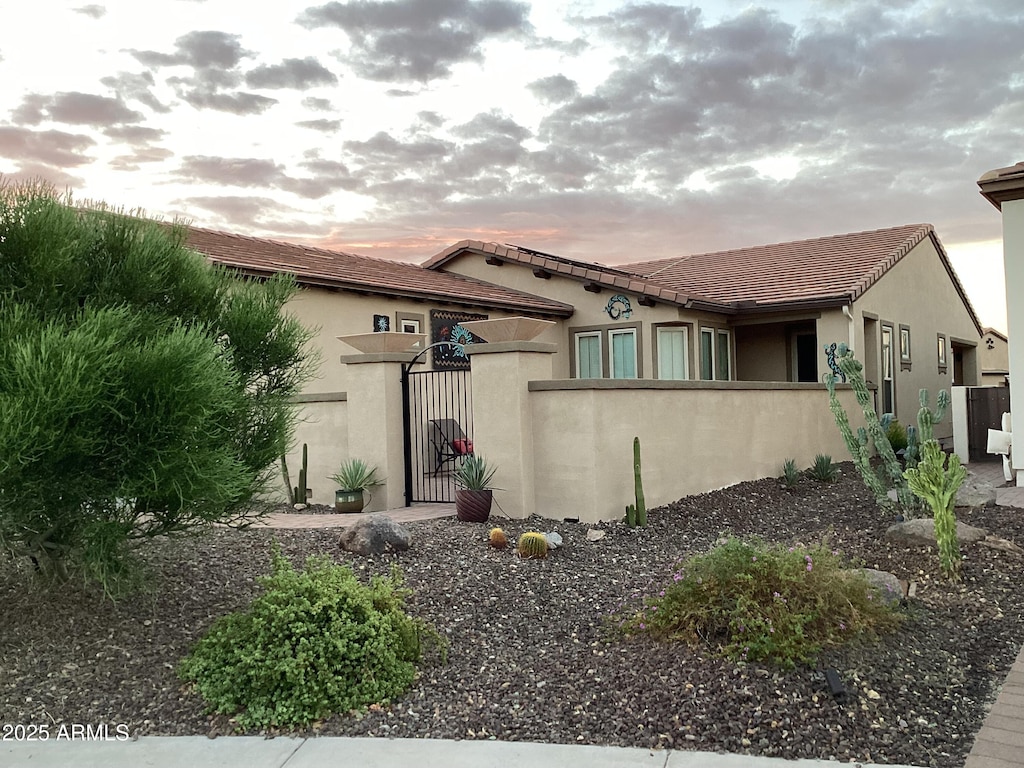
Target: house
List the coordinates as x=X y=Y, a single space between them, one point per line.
x=769 y=313
x=714 y=358
x=994 y=353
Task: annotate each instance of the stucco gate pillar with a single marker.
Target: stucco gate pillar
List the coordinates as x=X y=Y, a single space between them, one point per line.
x=1004 y=188
x=502 y=418
x=375 y=424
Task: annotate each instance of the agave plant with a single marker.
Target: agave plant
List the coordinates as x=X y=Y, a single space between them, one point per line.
x=473 y=474
x=356 y=475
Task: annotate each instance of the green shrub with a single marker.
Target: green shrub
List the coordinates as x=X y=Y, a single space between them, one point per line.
x=897 y=435
x=790 y=474
x=316 y=642
x=754 y=601
x=823 y=470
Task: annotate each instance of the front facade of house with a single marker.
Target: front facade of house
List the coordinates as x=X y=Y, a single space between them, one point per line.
x=751 y=327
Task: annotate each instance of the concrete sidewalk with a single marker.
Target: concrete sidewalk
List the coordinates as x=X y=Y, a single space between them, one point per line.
x=255 y=752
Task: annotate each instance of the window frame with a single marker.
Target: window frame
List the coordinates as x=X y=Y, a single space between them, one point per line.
x=683 y=328
x=624 y=331
x=904 y=347
x=604 y=332
x=409 y=317
x=885 y=327
x=721 y=333
x=600 y=353
x=942 y=351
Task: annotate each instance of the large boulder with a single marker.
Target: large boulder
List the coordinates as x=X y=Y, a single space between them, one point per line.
x=375 y=536
x=975 y=492
x=922 y=531
x=885 y=583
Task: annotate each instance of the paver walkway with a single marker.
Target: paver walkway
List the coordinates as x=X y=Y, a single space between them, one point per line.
x=401 y=515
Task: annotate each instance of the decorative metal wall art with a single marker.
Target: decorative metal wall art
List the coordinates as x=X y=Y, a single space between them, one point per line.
x=381 y=323
x=444 y=326
x=619 y=308
x=830 y=355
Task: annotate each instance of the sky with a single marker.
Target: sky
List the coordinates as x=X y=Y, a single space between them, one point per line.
x=595 y=129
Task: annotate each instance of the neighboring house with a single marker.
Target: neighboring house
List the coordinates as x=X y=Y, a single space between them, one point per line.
x=995 y=358
x=756 y=314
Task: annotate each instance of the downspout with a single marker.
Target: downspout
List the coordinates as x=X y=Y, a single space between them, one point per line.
x=849 y=317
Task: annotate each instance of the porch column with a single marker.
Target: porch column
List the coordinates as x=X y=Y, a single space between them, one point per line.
x=502 y=418
x=374 y=384
x=1004 y=188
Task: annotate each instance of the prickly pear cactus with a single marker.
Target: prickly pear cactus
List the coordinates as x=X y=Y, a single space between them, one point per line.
x=532 y=546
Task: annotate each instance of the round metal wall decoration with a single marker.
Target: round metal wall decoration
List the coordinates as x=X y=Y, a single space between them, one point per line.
x=618 y=307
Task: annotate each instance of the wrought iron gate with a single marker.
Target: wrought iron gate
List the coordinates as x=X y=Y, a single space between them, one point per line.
x=438 y=411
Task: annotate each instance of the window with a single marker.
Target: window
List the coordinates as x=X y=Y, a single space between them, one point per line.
x=723 y=358
x=409 y=322
x=707 y=354
x=943 y=366
x=887 y=369
x=588 y=355
x=905 y=347
x=715 y=358
x=673 y=353
x=623 y=353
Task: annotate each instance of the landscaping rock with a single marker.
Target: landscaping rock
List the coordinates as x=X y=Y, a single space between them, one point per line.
x=554 y=539
x=595 y=534
x=375 y=536
x=975 y=492
x=1005 y=545
x=921 y=530
x=888 y=586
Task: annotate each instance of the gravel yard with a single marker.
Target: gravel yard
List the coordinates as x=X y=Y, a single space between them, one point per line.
x=531 y=658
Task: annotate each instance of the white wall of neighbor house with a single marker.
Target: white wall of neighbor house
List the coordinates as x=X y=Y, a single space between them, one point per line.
x=1013 y=265
x=917 y=297
x=994 y=353
x=695 y=437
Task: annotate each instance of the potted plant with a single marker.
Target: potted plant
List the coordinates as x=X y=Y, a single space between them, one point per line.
x=473 y=499
x=355 y=478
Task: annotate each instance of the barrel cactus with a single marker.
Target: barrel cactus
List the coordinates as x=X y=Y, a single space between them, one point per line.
x=532 y=546
x=498 y=539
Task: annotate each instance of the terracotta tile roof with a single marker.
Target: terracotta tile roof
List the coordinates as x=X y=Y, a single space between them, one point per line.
x=583 y=271
x=827 y=270
x=335 y=269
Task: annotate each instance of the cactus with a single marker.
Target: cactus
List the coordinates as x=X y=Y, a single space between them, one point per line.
x=638 y=485
x=937 y=483
x=926 y=421
x=532 y=546
x=299 y=491
x=636 y=513
x=497 y=538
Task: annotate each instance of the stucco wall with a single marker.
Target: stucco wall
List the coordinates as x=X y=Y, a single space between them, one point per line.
x=918 y=292
x=762 y=352
x=994 y=354
x=590 y=311
x=340 y=313
x=323 y=426
x=695 y=437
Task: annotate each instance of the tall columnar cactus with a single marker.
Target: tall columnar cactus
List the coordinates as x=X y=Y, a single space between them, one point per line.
x=937 y=483
x=638 y=485
x=299 y=494
x=636 y=513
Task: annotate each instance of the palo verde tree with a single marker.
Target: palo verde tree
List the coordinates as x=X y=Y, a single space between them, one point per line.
x=142 y=391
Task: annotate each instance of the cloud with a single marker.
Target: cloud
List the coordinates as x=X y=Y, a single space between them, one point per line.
x=239 y=172
x=252 y=215
x=95 y=11
x=56 y=148
x=291 y=73
x=134 y=134
x=74 y=108
x=554 y=89
x=317 y=104
x=137 y=86
x=214 y=58
x=30 y=171
x=327 y=126
x=418 y=40
x=140 y=157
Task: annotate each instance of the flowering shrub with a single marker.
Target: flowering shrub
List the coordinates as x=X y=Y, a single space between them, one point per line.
x=755 y=601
